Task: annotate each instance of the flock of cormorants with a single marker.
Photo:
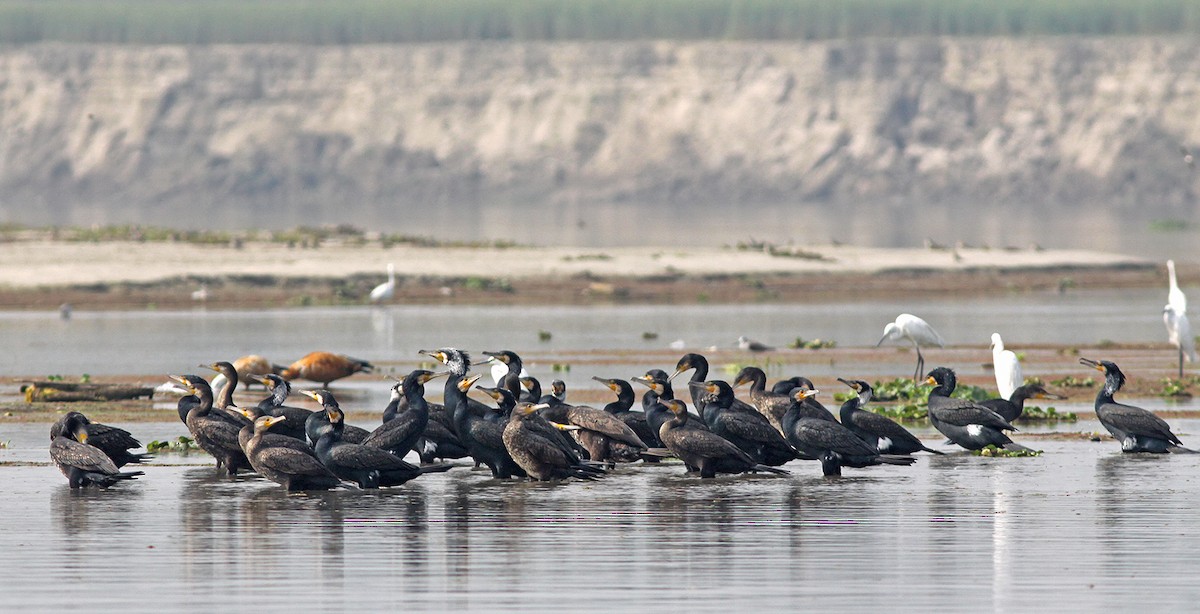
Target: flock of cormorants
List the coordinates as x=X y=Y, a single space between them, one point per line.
x=525 y=434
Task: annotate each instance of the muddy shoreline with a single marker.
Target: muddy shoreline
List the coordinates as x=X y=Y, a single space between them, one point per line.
x=107 y=277
x=240 y=293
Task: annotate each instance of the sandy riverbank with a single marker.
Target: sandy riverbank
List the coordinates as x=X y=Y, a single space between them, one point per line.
x=119 y=274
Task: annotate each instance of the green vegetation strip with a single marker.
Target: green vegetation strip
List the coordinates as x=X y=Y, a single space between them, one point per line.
x=349 y=22
x=179 y=445
x=910 y=399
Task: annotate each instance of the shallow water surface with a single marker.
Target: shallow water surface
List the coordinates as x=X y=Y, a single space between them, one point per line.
x=1082 y=527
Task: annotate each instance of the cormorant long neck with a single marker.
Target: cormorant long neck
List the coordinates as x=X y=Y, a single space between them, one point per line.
x=206 y=402
x=624 y=402
x=231 y=377
x=453 y=397
x=1112 y=383
x=330 y=437
x=533 y=392
x=279 y=393
x=393 y=407
x=676 y=420
x=710 y=403
x=758 y=380
x=1019 y=396
x=699 y=375
x=505 y=405
x=848 y=409
x=414 y=395
x=790 y=416
x=650 y=398
x=512 y=379
x=945 y=386
x=659 y=376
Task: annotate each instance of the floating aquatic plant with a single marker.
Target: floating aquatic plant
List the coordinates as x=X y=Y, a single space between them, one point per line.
x=179 y=445
x=992 y=451
x=1033 y=413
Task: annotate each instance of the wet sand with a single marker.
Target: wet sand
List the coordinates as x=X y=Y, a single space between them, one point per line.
x=43 y=274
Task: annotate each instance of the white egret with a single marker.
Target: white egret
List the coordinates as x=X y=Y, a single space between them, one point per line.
x=1179 y=333
x=386 y=290
x=1175 y=296
x=1179 y=330
x=917 y=331
x=1007 y=368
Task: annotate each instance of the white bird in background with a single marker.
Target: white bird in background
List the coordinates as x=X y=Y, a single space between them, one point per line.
x=1175 y=296
x=386 y=290
x=745 y=343
x=917 y=331
x=1179 y=330
x=1007 y=368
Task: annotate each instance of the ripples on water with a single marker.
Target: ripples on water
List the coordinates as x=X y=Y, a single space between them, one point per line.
x=148 y=342
x=1083 y=527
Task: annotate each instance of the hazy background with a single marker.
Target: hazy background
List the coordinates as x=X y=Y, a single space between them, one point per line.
x=598 y=122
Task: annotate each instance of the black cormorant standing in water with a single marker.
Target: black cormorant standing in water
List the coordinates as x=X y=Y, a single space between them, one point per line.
x=273 y=405
x=745 y=428
x=114 y=442
x=367 y=466
x=830 y=442
x=1137 y=429
x=881 y=432
x=770 y=404
x=213 y=434
x=83 y=464
x=400 y=434
x=529 y=439
x=964 y=422
x=705 y=451
x=317 y=423
x=295 y=467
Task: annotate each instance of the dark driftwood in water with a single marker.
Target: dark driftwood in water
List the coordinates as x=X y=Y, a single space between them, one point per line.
x=36 y=392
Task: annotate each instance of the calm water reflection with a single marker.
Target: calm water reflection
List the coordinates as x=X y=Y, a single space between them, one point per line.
x=151 y=342
x=1082 y=527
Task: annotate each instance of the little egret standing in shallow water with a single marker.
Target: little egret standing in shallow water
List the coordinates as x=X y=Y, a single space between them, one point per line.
x=1179 y=330
x=917 y=331
x=386 y=290
x=1007 y=368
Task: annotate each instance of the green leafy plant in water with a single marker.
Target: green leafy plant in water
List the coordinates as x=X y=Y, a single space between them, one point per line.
x=1033 y=413
x=179 y=445
x=815 y=344
x=906 y=412
x=1071 y=381
x=993 y=451
x=911 y=398
x=1173 y=388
